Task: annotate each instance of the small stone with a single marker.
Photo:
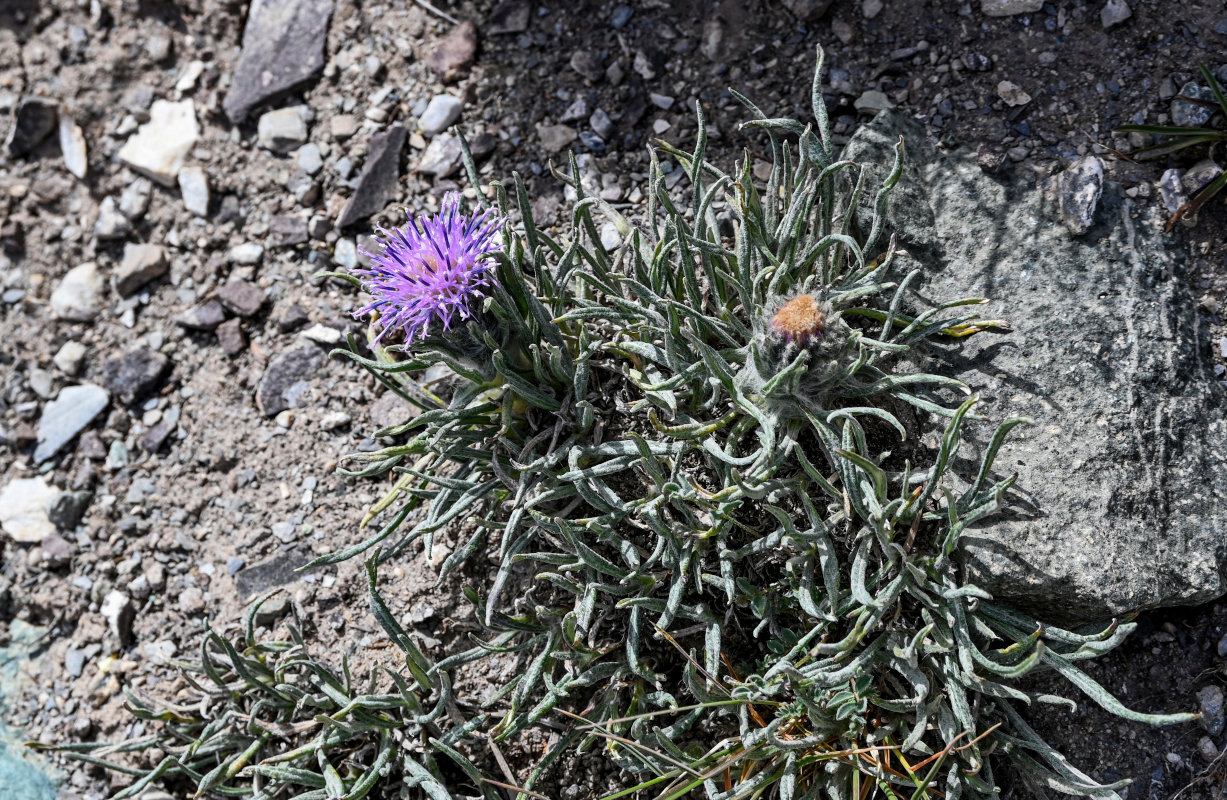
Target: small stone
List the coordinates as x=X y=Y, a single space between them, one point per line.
x=34 y=122
x=69 y=357
x=440 y=113
x=871 y=8
x=335 y=420
x=1199 y=175
x=990 y=156
x=1079 y=189
x=1171 y=190
x=660 y=126
x=74 y=661
x=807 y=10
x=377 y=184
x=602 y=124
x=241 y=297
x=67 y=509
x=270 y=611
x=343 y=126
x=555 y=138
x=309 y=158
x=204 y=317
x=285 y=382
x=246 y=254
x=483 y=145
x=111 y=224
x=1008 y=8
x=591 y=141
x=977 y=62
x=194 y=186
x=234 y=564
x=118 y=611
x=72 y=146
x=644 y=66
x=141 y=264
x=160 y=146
x=23 y=509
x=1012 y=94
x=1207 y=750
x=442 y=157
x=1114 y=12
x=66 y=416
x=1192 y=115
x=270 y=573
x=283 y=129
x=843 y=31
x=589 y=64
x=91 y=446
x=611 y=239
x=191 y=601
x=1017 y=154
x=153 y=438
x=661 y=101
x=322 y=334
x=230 y=337
x=78 y=298
x=40 y=381
x=293 y=318
x=509 y=16
x=621 y=15
x=345 y=253
x=283 y=49
x=1210 y=706
x=872 y=101
x=711 y=44
x=134 y=201
x=287 y=230
x=576 y=111
x=453 y=56
x=136 y=375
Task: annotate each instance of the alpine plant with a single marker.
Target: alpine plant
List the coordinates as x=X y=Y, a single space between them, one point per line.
x=723 y=552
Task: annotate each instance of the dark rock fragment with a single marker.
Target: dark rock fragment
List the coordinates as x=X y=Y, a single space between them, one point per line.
x=230 y=337
x=135 y=376
x=453 y=56
x=153 y=439
x=283 y=48
x=285 y=381
x=241 y=297
x=377 y=183
x=277 y=570
x=509 y=16
x=204 y=317
x=35 y=120
x=287 y=230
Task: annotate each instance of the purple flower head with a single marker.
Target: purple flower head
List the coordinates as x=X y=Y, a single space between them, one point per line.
x=430 y=270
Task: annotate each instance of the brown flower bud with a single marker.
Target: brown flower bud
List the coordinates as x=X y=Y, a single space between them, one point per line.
x=800 y=320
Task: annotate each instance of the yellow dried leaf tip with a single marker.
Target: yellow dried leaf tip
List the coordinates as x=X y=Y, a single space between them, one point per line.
x=800 y=320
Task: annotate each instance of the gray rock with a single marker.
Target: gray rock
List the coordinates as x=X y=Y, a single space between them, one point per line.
x=442 y=157
x=287 y=230
x=72 y=146
x=204 y=317
x=556 y=138
x=1210 y=705
x=807 y=10
x=309 y=158
x=441 y=112
x=230 y=337
x=136 y=375
x=286 y=380
x=134 y=201
x=111 y=223
x=1197 y=176
x=1192 y=115
x=78 y=298
x=872 y=101
x=589 y=64
x=69 y=357
x=1008 y=8
x=141 y=264
x=602 y=124
x=1171 y=190
x=275 y=571
x=283 y=129
x=1121 y=500
x=509 y=16
x=194 y=186
x=1114 y=13
x=247 y=254
x=377 y=184
x=67 y=509
x=272 y=610
x=241 y=297
x=1079 y=189
x=453 y=56
x=66 y=416
x=23 y=510
x=159 y=147
x=343 y=126
x=283 y=49
x=34 y=122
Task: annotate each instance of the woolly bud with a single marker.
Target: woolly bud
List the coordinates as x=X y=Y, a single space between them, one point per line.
x=800 y=320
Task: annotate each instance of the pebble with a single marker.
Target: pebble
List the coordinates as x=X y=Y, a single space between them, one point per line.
x=711 y=44
x=241 y=297
x=194 y=187
x=1207 y=750
x=1197 y=176
x=160 y=146
x=872 y=101
x=509 y=16
x=72 y=146
x=230 y=337
x=977 y=62
x=118 y=611
x=23 y=509
x=611 y=239
x=323 y=334
x=1171 y=190
x=440 y=113
x=34 y=122
x=1210 y=705
x=247 y=254
x=661 y=101
x=335 y=420
x=1192 y=115
x=282 y=129
x=40 y=381
x=117 y=456
x=576 y=111
x=283 y=48
x=191 y=601
x=620 y=16
x=136 y=375
x=287 y=230
x=602 y=124
x=453 y=56
x=588 y=64
x=377 y=183
x=141 y=264
x=442 y=157
x=79 y=296
x=591 y=141
x=285 y=382
x=134 y=201
x=1114 y=12
x=234 y=564
x=343 y=126
x=345 y=253
x=660 y=126
x=871 y=8
x=65 y=512
x=204 y=317
x=1008 y=8
x=69 y=357
x=66 y=416
x=556 y=138
x=111 y=223
x=1012 y=94
x=1079 y=189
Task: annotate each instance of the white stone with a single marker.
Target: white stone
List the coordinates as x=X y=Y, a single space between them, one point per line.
x=159 y=147
x=1114 y=13
x=660 y=126
x=78 y=298
x=72 y=145
x=322 y=334
x=345 y=253
x=23 y=510
x=1012 y=94
x=189 y=76
x=282 y=129
x=661 y=100
x=246 y=254
x=443 y=110
x=194 y=186
x=309 y=158
x=117 y=610
x=611 y=239
x=68 y=358
x=334 y=420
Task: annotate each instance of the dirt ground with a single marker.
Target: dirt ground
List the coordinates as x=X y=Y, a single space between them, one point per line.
x=197 y=498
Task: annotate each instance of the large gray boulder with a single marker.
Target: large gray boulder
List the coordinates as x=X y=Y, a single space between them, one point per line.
x=1121 y=500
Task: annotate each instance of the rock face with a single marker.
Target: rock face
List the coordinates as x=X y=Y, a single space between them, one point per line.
x=1121 y=499
x=283 y=48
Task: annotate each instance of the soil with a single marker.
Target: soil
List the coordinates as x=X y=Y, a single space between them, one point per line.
x=177 y=528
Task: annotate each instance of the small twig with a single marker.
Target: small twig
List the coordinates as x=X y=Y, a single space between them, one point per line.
x=434 y=10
